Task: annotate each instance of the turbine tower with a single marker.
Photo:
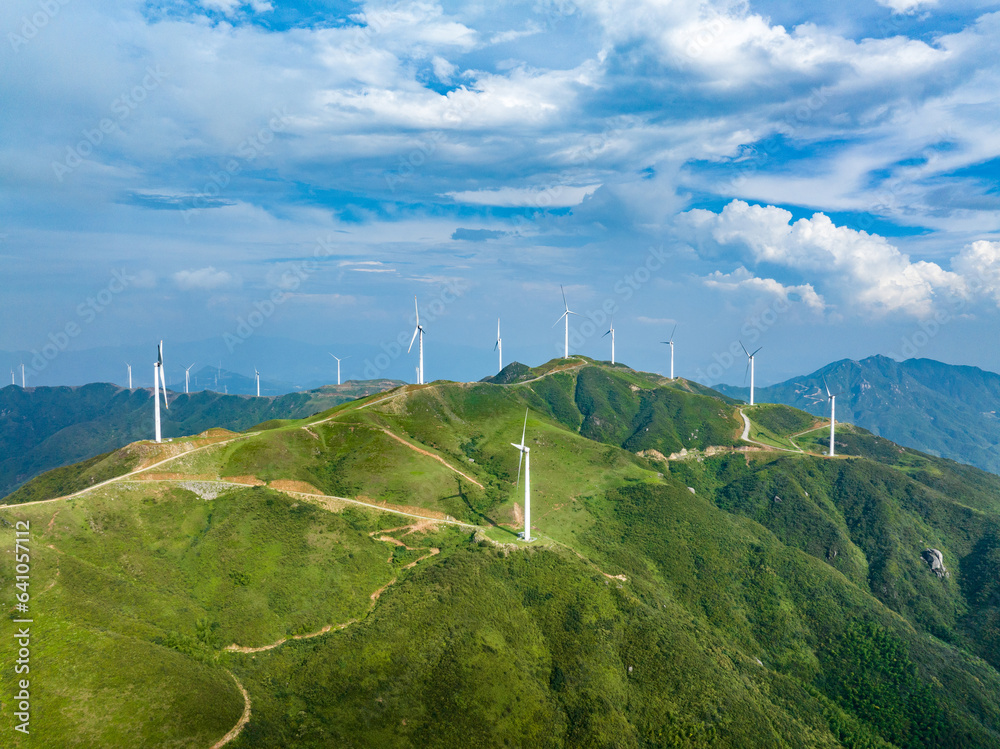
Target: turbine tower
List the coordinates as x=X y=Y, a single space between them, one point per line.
x=22 y=375
x=256 y=374
x=526 y=454
x=187 y=379
x=498 y=347
x=671 y=344
x=129 y=375
x=11 y=375
x=157 y=380
x=418 y=331
x=611 y=330
x=832 y=397
x=749 y=367
x=339 y=359
x=565 y=315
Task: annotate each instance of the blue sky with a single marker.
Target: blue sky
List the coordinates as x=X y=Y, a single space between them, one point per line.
x=820 y=179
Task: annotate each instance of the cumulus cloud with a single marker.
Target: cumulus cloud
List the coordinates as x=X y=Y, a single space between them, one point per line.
x=203 y=279
x=979 y=263
x=869 y=273
x=743 y=280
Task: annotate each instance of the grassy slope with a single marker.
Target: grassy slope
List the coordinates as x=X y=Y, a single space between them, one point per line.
x=45 y=428
x=860 y=646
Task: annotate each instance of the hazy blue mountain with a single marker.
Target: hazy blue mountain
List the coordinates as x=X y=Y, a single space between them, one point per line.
x=939 y=408
x=44 y=428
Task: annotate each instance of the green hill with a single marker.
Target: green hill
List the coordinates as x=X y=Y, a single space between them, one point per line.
x=939 y=408
x=47 y=427
x=358 y=573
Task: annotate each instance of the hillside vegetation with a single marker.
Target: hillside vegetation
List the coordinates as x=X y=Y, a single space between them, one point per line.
x=49 y=427
x=358 y=573
x=939 y=408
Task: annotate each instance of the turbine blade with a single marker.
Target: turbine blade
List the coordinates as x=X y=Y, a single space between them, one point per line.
x=746 y=372
x=672 y=333
x=496 y=344
x=524 y=429
x=744 y=349
x=827 y=387
x=564 y=296
x=520 y=457
x=560 y=318
x=415 y=331
x=606 y=334
x=755 y=352
x=416 y=309
x=164 y=383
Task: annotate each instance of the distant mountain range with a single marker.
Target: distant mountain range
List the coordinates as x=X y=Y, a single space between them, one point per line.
x=941 y=409
x=46 y=427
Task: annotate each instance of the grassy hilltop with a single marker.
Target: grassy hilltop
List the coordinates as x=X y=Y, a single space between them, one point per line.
x=358 y=574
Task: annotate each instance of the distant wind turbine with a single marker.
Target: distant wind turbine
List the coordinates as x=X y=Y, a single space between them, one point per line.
x=157 y=379
x=11 y=375
x=526 y=454
x=418 y=331
x=257 y=376
x=498 y=347
x=611 y=330
x=22 y=376
x=339 y=359
x=671 y=344
x=749 y=367
x=565 y=315
x=187 y=379
x=129 y=375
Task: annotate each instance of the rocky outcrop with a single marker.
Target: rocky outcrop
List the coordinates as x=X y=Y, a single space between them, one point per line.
x=935 y=559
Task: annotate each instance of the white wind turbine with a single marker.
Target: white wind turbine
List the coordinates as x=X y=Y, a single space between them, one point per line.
x=611 y=330
x=22 y=375
x=498 y=347
x=832 y=397
x=339 y=359
x=129 y=375
x=11 y=375
x=526 y=454
x=418 y=331
x=671 y=344
x=256 y=374
x=749 y=367
x=565 y=315
x=157 y=380
x=187 y=379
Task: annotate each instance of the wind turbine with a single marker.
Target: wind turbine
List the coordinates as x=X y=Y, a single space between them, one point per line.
x=187 y=378
x=565 y=315
x=498 y=347
x=157 y=379
x=832 y=397
x=129 y=375
x=749 y=367
x=671 y=344
x=338 y=358
x=526 y=454
x=611 y=330
x=257 y=376
x=418 y=330
x=22 y=375
x=11 y=375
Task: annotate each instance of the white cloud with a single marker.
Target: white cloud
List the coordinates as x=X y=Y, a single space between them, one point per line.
x=869 y=273
x=203 y=279
x=743 y=280
x=979 y=263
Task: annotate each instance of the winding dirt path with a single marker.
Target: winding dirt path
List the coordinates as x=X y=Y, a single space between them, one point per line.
x=244 y=719
x=438 y=458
